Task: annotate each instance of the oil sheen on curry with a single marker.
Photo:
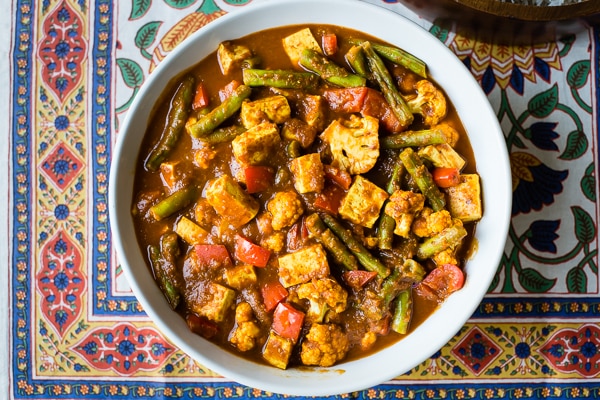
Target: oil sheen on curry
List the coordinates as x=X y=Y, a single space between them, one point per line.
x=306 y=195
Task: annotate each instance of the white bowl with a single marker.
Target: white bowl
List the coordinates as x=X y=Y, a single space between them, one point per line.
x=491 y=157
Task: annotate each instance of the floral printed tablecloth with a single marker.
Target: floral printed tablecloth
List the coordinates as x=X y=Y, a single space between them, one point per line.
x=74 y=329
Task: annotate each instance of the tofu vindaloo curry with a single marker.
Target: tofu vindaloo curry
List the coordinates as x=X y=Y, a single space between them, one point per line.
x=306 y=195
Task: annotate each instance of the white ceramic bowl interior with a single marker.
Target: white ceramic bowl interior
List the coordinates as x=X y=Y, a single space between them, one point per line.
x=491 y=157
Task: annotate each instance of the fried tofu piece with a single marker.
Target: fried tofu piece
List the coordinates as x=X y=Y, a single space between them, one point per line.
x=274 y=109
x=213 y=302
x=295 y=43
x=255 y=146
x=189 y=231
x=464 y=199
x=308 y=173
x=240 y=276
x=230 y=201
x=277 y=350
x=363 y=202
x=231 y=55
x=303 y=265
x=442 y=155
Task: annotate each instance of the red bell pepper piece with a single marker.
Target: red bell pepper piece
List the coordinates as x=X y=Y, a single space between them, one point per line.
x=212 y=254
x=251 y=253
x=258 y=178
x=273 y=293
x=330 y=44
x=441 y=282
x=446 y=177
x=287 y=321
x=356 y=279
x=201 y=98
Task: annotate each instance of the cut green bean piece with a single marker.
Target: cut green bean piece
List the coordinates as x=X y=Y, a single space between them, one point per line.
x=278 y=78
x=364 y=257
x=211 y=121
x=162 y=261
x=224 y=134
x=328 y=70
x=336 y=247
x=174 y=202
x=387 y=224
x=402 y=312
x=423 y=179
x=356 y=58
x=446 y=239
x=418 y=138
x=398 y=56
x=176 y=118
x=387 y=85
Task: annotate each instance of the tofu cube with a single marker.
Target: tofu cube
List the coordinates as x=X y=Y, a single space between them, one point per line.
x=241 y=276
x=308 y=173
x=277 y=350
x=191 y=232
x=442 y=155
x=230 y=55
x=255 y=146
x=295 y=43
x=464 y=199
x=274 y=109
x=230 y=201
x=213 y=302
x=362 y=204
x=303 y=265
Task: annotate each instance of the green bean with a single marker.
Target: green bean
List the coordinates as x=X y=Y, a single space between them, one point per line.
x=402 y=312
x=387 y=224
x=222 y=135
x=398 y=56
x=387 y=86
x=176 y=118
x=163 y=265
x=446 y=239
x=211 y=121
x=278 y=78
x=364 y=257
x=356 y=58
x=423 y=179
x=174 y=202
x=418 y=138
x=325 y=236
x=328 y=70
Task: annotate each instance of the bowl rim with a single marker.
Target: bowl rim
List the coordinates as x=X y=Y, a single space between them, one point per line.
x=533 y=13
x=348 y=376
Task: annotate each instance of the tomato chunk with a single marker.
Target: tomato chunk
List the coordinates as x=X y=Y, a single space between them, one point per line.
x=329 y=199
x=441 y=282
x=330 y=44
x=358 y=278
x=201 y=98
x=258 y=178
x=446 y=177
x=287 y=321
x=228 y=89
x=251 y=253
x=338 y=176
x=212 y=254
x=273 y=293
x=201 y=326
x=348 y=100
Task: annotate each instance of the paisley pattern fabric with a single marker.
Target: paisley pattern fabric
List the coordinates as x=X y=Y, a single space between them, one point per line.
x=77 y=332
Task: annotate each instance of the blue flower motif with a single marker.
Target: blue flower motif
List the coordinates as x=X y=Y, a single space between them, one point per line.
x=51 y=67
x=542 y=135
x=60 y=317
x=126 y=347
x=71 y=298
x=109 y=359
x=60 y=247
x=90 y=347
x=158 y=349
x=539 y=190
x=62 y=49
x=51 y=297
x=522 y=350
x=43 y=236
x=496 y=370
x=61 y=84
x=61 y=167
x=542 y=234
x=545 y=369
x=589 y=350
x=169 y=368
x=43 y=331
x=478 y=351
x=61 y=212
x=61 y=122
x=77 y=367
x=63 y=15
x=61 y=281
x=140 y=357
x=109 y=338
x=127 y=364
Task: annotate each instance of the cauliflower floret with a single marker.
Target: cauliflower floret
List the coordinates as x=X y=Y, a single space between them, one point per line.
x=327 y=299
x=403 y=206
x=246 y=333
x=324 y=345
x=429 y=223
x=354 y=143
x=285 y=208
x=447 y=256
x=430 y=102
x=274 y=242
